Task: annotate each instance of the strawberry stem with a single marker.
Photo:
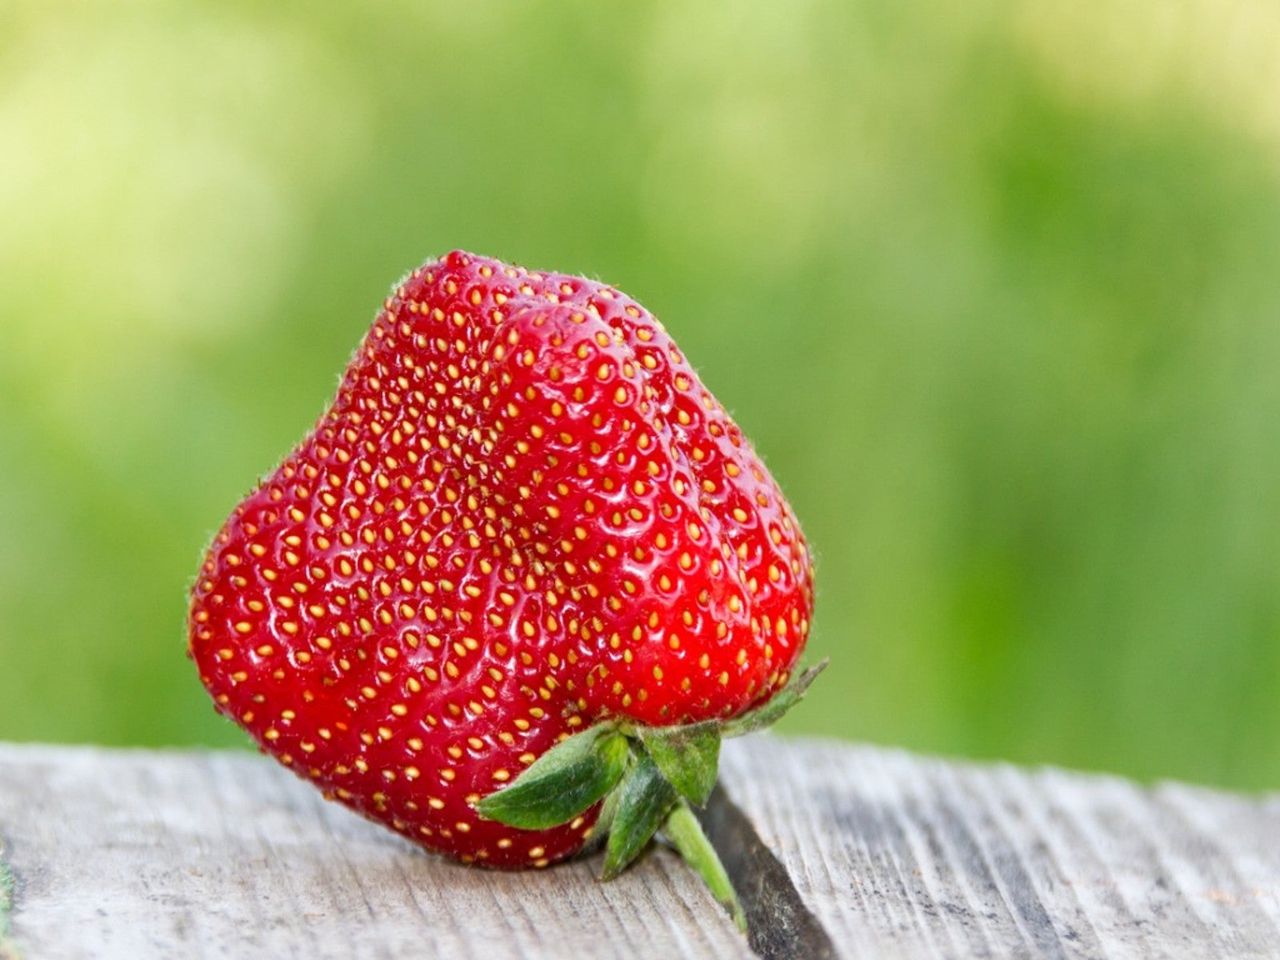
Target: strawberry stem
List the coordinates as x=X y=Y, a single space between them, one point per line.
x=685 y=834
x=647 y=778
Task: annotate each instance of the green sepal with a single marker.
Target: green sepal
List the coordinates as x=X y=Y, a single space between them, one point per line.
x=771 y=712
x=604 y=822
x=688 y=757
x=644 y=800
x=563 y=782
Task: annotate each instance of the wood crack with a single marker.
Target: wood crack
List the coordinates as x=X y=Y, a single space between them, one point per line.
x=780 y=924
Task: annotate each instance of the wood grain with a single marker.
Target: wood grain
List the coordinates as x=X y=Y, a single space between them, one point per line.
x=172 y=854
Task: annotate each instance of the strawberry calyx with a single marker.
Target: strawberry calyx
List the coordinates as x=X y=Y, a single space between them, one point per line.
x=647 y=779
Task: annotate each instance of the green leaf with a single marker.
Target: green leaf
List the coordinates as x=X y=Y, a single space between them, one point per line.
x=600 y=829
x=563 y=782
x=685 y=833
x=644 y=800
x=688 y=756
x=6 y=905
x=771 y=712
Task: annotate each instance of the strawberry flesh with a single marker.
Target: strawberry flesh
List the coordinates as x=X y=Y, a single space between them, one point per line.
x=522 y=514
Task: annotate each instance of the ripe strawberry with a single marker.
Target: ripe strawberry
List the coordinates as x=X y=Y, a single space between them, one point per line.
x=523 y=517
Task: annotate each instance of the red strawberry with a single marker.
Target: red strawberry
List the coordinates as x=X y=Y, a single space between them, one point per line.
x=523 y=517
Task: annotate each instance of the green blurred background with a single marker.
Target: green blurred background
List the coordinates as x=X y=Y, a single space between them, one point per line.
x=995 y=288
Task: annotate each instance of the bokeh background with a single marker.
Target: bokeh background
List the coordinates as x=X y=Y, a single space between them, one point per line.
x=994 y=286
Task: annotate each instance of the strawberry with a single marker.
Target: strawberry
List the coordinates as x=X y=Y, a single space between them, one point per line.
x=524 y=531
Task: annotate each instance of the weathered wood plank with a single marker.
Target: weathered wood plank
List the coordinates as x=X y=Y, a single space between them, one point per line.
x=134 y=854
x=140 y=854
x=938 y=859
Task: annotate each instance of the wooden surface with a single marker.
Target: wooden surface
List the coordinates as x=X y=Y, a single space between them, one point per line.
x=164 y=854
